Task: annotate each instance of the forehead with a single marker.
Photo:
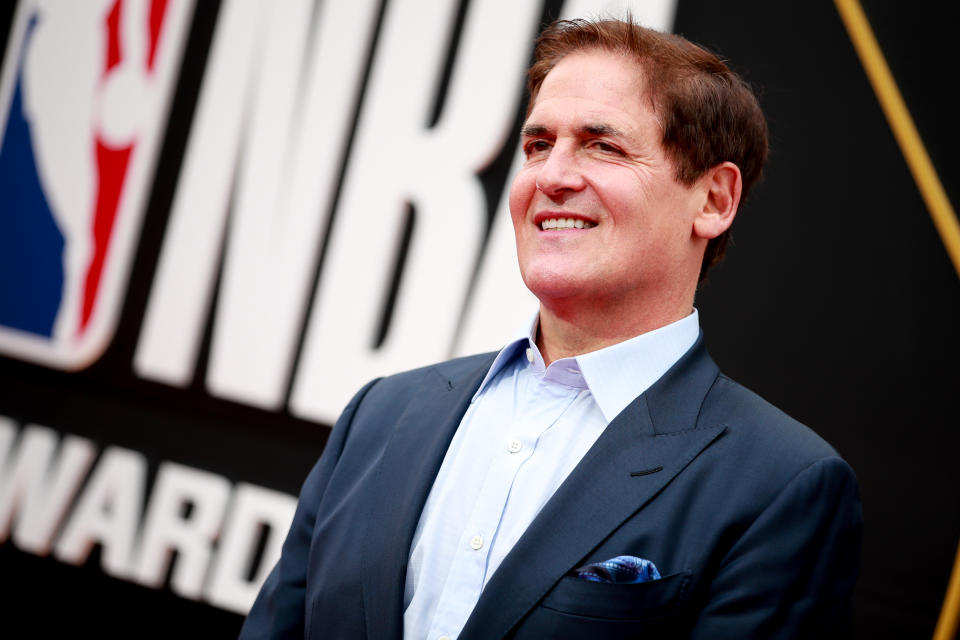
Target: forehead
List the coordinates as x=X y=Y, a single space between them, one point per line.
x=594 y=85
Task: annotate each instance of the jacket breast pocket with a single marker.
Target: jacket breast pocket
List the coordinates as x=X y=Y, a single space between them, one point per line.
x=578 y=608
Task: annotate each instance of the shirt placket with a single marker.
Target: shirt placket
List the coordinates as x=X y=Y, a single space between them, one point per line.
x=518 y=444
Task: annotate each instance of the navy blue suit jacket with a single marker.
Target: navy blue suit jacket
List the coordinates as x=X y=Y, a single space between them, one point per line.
x=751 y=518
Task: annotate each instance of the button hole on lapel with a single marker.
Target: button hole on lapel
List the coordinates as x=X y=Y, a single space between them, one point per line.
x=645 y=472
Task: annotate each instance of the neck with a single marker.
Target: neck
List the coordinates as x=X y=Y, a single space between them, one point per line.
x=569 y=330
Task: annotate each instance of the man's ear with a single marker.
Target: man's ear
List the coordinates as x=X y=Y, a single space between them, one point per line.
x=723 y=185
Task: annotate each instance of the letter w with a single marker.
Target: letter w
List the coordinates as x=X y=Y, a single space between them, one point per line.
x=38 y=482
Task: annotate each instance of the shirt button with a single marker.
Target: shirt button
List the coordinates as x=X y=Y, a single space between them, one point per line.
x=514 y=445
x=529 y=354
x=444 y=638
x=476 y=542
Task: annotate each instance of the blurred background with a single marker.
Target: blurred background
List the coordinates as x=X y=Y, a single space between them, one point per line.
x=219 y=219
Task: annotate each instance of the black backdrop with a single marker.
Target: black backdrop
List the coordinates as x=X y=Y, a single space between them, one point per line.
x=839 y=301
x=836 y=302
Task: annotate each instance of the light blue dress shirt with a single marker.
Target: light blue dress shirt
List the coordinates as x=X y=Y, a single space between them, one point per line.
x=526 y=428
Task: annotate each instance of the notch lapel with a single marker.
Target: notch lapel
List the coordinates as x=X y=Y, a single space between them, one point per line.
x=405 y=476
x=658 y=429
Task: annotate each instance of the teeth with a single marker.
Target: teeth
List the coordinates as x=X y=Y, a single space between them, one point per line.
x=566 y=223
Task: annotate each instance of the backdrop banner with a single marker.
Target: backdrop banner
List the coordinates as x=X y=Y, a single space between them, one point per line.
x=219 y=219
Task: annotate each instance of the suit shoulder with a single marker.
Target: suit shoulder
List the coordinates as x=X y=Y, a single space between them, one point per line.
x=454 y=370
x=406 y=385
x=768 y=429
x=764 y=453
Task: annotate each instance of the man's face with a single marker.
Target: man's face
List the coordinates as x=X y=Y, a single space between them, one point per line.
x=592 y=144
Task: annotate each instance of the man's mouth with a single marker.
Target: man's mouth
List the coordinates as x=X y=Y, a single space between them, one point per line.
x=565 y=223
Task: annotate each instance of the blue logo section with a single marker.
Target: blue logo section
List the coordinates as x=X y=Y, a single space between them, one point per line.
x=31 y=244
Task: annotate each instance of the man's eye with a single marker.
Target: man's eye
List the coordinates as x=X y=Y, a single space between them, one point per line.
x=605 y=147
x=536 y=146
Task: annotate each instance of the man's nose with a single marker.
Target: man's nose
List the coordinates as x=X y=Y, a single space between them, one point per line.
x=561 y=173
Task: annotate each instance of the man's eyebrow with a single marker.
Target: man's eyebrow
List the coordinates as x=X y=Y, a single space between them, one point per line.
x=538 y=130
x=601 y=130
x=533 y=131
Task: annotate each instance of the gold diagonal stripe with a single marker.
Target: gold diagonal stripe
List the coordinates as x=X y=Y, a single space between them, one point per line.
x=931 y=189
x=950 y=613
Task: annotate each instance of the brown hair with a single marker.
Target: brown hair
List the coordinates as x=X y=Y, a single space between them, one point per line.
x=709 y=113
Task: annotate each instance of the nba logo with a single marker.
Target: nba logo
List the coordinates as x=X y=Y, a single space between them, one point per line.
x=84 y=92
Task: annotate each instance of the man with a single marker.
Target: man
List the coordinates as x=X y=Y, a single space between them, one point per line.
x=598 y=478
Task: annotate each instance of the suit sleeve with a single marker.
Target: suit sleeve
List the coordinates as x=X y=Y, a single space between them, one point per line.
x=791 y=573
x=279 y=609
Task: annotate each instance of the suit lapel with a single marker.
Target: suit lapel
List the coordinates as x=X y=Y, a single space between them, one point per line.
x=657 y=430
x=405 y=475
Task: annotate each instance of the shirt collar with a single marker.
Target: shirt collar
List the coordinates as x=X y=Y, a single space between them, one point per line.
x=523 y=341
x=616 y=374
x=621 y=372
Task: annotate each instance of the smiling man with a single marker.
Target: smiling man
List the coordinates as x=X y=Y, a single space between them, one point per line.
x=598 y=477
x=595 y=157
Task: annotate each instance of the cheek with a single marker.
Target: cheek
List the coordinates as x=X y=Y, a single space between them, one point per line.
x=521 y=193
x=620 y=192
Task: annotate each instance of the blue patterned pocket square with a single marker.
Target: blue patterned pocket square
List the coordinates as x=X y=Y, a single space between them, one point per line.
x=619 y=570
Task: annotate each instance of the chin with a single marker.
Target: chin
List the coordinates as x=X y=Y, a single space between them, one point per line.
x=556 y=286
